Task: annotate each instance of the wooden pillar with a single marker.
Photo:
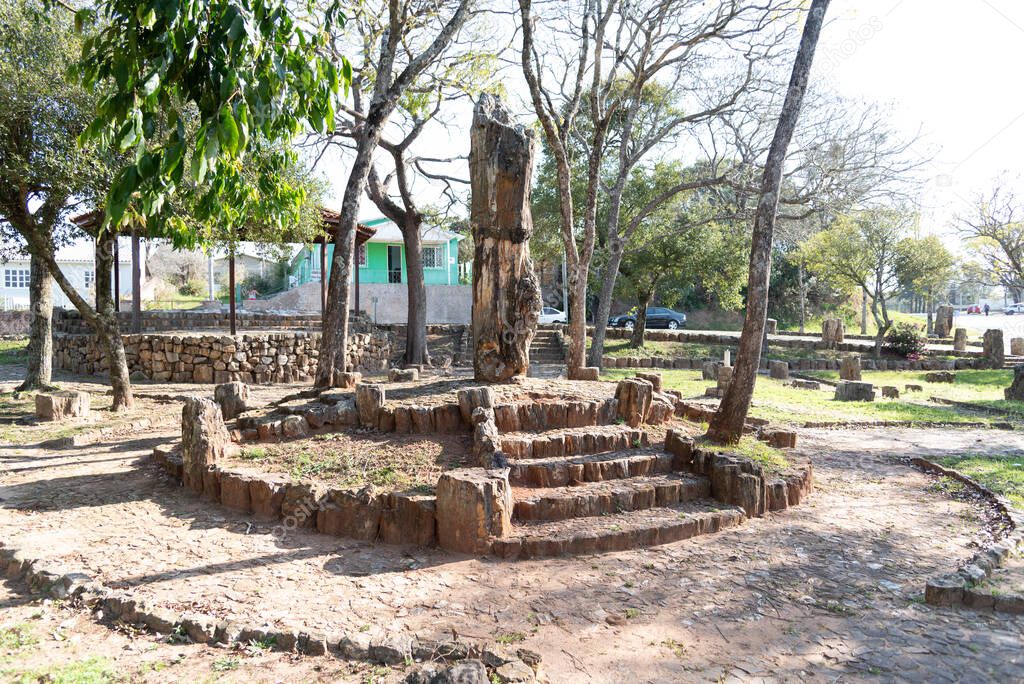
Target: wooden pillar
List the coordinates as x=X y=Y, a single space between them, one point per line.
x=231 y=287
x=96 y=273
x=117 y=274
x=506 y=294
x=136 y=283
x=323 y=282
x=356 y=269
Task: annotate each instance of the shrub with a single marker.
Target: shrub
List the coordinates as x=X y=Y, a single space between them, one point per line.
x=193 y=288
x=906 y=339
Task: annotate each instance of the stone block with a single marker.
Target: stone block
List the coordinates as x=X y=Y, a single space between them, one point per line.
x=586 y=373
x=653 y=378
x=474 y=507
x=771 y=326
x=634 y=400
x=849 y=368
x=234 y=491
x=403 y=375
x=890 y=392
x=724 y=377
x=265 y=497
x=204 y=440
x=992 y=346
x=350 y=513
x=851 y=390
x=944 y=321
x=913 y=388
x=369 y=399
x=833 y=330
x=778 y=370
x=940 y=376
x=709 y=370
x=960 y=340
x=1015 y=392
x=1017 y=346
x=779 y=438
x=347 y=380
x=232 y=397
x=64 y=405
x=472 y=398
x=408 y=519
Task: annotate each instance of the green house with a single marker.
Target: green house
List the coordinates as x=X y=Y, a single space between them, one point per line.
x=381 y=259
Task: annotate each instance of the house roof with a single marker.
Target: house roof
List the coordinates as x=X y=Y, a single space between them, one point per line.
x=388 y=231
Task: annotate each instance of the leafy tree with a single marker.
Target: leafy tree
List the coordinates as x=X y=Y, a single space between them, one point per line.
x=994 y=230
x=928 y=271
x=44 y=176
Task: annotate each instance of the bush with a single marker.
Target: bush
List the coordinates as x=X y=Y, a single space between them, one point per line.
x=193 y=288
x=906 y=339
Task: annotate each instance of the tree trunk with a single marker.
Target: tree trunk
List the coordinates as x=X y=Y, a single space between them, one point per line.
x=334 y=335
x=416 y=322
x=604 y=308
x=640 y=326
x=727 y=423
x=506 y=294
x=108 y=329
x=40 y=340
x=136 y=283
x=577 y=348
x=802 y=289
x=864 y=312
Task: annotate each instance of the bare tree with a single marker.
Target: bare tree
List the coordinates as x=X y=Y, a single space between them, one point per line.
x=599 y=101
x=414 y=35
x=727 y=424
x=994 y=229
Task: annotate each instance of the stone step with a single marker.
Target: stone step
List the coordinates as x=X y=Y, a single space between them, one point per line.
x=608 y=498
x=561 y=471
x=618 y=532
x=572 y=441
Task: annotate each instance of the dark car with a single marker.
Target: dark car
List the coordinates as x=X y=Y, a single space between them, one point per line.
x=657 y=317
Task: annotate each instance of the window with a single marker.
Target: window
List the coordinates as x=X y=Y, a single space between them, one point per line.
x=433 y=257
x=89 y=277
x=362 y=254
x=16 y=278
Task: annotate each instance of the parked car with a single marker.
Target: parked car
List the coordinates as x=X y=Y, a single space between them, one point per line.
x=1014 y=309
x=551 y=315
x=973 y=309
x=657 y=317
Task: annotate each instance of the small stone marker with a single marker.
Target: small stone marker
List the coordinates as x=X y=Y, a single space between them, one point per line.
x=62 y=405
x=849 y=368
x=944 y=321
x=939 y=376
x=913 y=388
x=653 y=378
x=960 y=340
x=709 y=371
x=832 y=331
x=634 y=400
x=1015 y=392
x=403 y=375
x=771 y=326
x=232 y=397
x=727 y=358
x=993 y=347
x=778 y=370
x=347 y=380
x=586 y=373
x=1017 y=346
x=807 y=384
x=204 y=441
x=474 y=506
x=369 y=399
x=890 y=392
x=851 y=390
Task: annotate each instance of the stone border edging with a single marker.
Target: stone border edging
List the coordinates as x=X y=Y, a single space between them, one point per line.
x=992 y=411
x=390 y=649
x=957 y=588
x=904 y=423
x=92 y=436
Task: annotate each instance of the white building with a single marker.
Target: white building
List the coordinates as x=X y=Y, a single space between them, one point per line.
x=78 y=263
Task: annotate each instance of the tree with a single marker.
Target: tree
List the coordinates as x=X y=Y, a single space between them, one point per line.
x=416 y=34
x=643 y=74
x=928 y=271
x=870 y=252
x=727 y=424
x=44 y=176
x=994 y=230
x=457 y=72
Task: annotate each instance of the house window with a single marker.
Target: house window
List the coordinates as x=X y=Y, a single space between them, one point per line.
x=16 y=278
x=89 y=277
x=362 y=255
x=433 y=257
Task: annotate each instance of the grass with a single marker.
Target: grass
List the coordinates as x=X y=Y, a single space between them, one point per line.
x=386 y=461
x=771 y=459
x=13 y=352
x=693 y=350
x=1002 y=474
x=17 y=637
x=94 y=670
x=783 y=404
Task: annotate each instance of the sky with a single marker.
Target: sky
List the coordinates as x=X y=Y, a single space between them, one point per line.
x=948 y=69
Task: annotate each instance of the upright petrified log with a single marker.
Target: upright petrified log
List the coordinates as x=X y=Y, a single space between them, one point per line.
x=506 y=294
x=944 y=321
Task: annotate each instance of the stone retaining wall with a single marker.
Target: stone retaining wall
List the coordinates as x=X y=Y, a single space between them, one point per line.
x=249 y=357
x=799 y=364
x=65 y=321
x=15 y=323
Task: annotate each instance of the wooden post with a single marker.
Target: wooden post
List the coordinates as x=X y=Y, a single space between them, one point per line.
x=506 y=294
x=356 y=269
x=231 y=287
x=117 y=275
x=136 y=283
x=96 y=273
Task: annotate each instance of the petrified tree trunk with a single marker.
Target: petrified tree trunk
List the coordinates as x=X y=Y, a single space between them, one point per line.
x=506 y=295
x=944 y=321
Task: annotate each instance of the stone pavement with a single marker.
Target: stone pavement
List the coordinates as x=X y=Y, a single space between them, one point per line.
x=828 y=591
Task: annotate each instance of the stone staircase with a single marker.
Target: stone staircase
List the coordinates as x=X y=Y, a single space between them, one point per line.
x=602 y=488
x=547 y=347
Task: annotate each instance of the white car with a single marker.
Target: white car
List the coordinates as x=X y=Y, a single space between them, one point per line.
x=551 y=315
x=1014 y=309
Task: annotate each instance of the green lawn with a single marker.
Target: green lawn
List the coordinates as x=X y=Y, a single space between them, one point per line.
x=693 y=350
x=1002 y=474
x=13 y=352
x=784 y=404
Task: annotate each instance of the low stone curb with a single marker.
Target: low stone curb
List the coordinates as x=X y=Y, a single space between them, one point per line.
x=84 y=438
x=905 y=423
x=971 y=407
x=388 y=649
x=957 y=589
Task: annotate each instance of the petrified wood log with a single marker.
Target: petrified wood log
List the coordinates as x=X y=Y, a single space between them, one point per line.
x=506 y=294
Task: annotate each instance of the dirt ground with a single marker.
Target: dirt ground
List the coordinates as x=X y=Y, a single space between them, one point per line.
x=828 y=591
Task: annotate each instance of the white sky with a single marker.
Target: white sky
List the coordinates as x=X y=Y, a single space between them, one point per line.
x=948 y=68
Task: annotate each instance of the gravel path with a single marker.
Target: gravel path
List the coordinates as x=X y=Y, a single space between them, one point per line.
x=831 y=589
